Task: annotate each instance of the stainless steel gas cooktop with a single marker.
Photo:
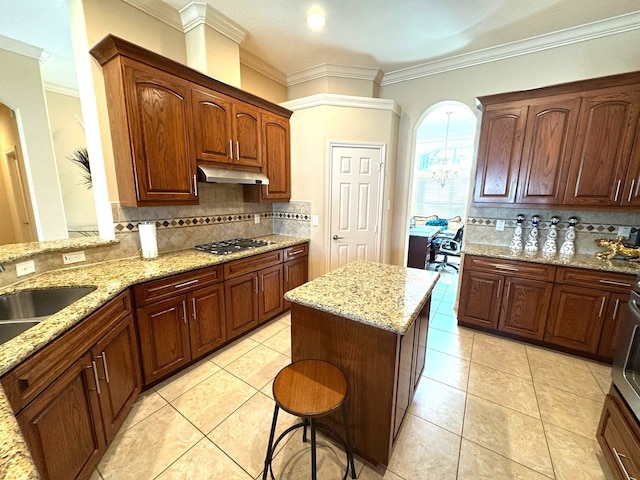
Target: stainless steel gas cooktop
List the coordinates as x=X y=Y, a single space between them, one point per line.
x=227 y=247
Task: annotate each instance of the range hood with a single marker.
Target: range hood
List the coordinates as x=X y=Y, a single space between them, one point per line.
x=226 y=175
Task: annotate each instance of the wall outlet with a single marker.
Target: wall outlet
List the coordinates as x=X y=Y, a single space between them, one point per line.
x=256 y=218
x=500 y=225
x=25 y=268
x=73 y=257
x=624 y=232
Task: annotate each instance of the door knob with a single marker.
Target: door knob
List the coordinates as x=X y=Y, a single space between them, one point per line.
x=336 y=237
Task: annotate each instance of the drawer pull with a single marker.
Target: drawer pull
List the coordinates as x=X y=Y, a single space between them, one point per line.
x=615 y=309
x=95 y=375
x=619 y=458
x=611 y=282
x=186 y=284
x=106 y=369
x=296 y=252
x=601 y=306
x=501 y=266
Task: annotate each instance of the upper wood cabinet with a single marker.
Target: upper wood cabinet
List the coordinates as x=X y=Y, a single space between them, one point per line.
x=568 y=145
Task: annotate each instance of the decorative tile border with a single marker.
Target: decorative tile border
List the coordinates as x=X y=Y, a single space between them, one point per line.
x=543 y=225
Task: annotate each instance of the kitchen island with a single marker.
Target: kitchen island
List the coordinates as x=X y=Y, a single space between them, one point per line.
x=370 y=320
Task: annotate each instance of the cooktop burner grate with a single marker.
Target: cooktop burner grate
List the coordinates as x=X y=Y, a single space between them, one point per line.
x=227 y=247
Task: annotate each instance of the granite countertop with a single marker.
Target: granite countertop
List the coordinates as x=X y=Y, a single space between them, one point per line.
x=17 y=251
x=110 y=278
x=579 y=260
x=384 y=296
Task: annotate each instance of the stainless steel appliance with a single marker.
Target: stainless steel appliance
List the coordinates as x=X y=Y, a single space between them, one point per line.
x=626 y=367
x=227 y=247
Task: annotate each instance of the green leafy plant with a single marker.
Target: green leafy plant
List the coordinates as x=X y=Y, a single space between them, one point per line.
x=80 y=156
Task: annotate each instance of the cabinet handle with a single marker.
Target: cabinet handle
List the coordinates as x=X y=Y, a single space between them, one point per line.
x=95 y=375
x=619 y=458
x=237 y=149
x=633 y=182
x=296 y=252
x=104 y=364
x=499 y=288
x=615 y=309
x=184 y=311
x=501 y=266
x=231 y=149
x=193 y=308
x=508 y=291
x=262 y=283
x=618 y=190
x=601 y=306
x=186 y=284
x=195 y=185
x=611 y=282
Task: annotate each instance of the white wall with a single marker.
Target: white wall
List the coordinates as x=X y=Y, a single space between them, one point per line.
x=594 y=58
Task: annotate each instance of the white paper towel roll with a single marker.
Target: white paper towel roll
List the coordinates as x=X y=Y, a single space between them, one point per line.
x=148 y=241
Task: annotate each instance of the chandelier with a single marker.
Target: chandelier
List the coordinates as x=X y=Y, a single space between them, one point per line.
x=442 y=168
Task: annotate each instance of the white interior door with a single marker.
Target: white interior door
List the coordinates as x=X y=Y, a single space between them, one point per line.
x=355 y=210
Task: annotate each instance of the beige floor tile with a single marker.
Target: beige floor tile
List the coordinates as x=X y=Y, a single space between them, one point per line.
x=149 y=447
x=602 y=374
x=188 y=378
x=478 y=463
x=293 y=462
x=232 y=352
x=95 y=475
x=515 y=347
x=512 y=434
x=452 y=371
x=424 y=451
x=280 y=342
x=147 y=403
x=449 y=323
x=450 y=344
x=258 y=366
x=575 y=456
x=565 y=410
x=204 y=460
x=211 y=401
x=267 y=331
x=496 y=356
x=574 y=377
x=285 y=318
x=244 y=434
x=268 y=389
x=439 y=404
x=503 y=388
x=542 y=356
x=370 y=472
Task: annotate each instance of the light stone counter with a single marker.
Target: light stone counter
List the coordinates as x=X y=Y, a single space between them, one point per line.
x=579 y=260
x=384 y=296
x=17 y=251
x=110 y=278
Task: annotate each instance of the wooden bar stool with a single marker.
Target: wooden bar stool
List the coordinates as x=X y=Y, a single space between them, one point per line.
x=310 y=389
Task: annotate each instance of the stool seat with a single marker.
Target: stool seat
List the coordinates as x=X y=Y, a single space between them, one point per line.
x=310 y=388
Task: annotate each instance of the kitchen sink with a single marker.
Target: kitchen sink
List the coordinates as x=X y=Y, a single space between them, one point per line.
x=22 y=310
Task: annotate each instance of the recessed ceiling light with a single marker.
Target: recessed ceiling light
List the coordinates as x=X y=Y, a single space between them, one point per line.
x=316 y=20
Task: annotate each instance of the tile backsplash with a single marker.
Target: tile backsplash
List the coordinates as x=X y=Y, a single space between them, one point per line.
x=481 y=225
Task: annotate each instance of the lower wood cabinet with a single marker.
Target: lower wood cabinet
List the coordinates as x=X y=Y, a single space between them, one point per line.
x=241 y=298
x=619 y=437
x=524 y=307
x=296 y=273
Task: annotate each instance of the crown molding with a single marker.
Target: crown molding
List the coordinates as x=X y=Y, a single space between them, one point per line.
x=198 y=13
x=589 y=31
x=329 y=70
x=262 y=67
x=61 y=89
x=335 y=100
x=24 y=49
x=160 y=11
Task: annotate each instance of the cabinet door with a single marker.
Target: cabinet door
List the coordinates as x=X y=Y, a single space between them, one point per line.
x=404 y=384
x=118 y=366
x=63 y=427
x=270 y=299
x=207 y=328
x=524 y=307
x=246 y=127
x=159 y=111
x=548 y=143
x=164 y=338
x=576 y=317
x=604 y=141
x=619 y=444
x=420 y=344
x=212 y=123
x=482 y=293
x=241 y=300
x=275 y=152
x=499 y=153
x=296 y=273
x=614 y=317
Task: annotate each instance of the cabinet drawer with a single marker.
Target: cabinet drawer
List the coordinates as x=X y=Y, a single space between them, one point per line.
x=296 y=251
x=25 y=381
x=619 y=444
x=168 y=287
x=595 y=279
x=251 y=264
x=535 y=271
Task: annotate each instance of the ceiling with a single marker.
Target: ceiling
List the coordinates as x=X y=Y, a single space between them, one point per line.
x=380 y=34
